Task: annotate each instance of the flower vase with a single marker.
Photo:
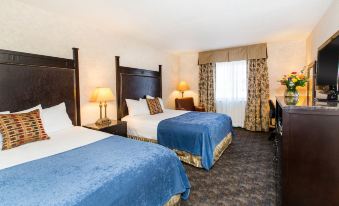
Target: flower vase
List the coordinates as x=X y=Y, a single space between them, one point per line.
x=291 y=96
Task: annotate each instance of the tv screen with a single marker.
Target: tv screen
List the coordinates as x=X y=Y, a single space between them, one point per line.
x=328 y=64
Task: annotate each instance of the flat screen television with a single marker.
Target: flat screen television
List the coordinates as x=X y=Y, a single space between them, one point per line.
x=328 y=64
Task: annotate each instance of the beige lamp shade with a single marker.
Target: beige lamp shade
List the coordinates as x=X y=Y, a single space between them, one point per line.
x=183 y=86
x=102 y=94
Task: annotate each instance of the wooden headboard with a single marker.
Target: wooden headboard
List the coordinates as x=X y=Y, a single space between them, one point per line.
x=134 y=83
x=27 y=80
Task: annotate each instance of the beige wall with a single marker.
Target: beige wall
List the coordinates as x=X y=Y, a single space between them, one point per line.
x=189 y=72
x=27 y=29
x=325 y=28
x=283 y=57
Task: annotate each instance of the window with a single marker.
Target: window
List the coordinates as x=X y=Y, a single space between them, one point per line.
x=231 y=90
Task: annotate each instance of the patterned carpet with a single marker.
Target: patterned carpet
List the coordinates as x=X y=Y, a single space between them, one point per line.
x=244 y=175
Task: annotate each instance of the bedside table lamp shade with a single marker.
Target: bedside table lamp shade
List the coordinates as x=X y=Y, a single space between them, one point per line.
x=102 y=95
x=182 y=87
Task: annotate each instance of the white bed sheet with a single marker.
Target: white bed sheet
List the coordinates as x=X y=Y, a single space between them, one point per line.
x=146 y=125
x=59 y=142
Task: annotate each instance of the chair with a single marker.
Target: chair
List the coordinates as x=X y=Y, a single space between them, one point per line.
x=187 y=103
x=272 y=117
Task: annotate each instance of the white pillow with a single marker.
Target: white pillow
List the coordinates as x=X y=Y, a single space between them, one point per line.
x=160 y=100
x=6 y=112
x=144 y=106
x=137 y=107
x=55 y=118
x=29 y=110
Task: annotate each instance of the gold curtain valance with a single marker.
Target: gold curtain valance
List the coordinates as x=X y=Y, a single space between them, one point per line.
x=256 y=51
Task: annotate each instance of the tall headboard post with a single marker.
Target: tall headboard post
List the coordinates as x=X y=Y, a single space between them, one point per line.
x=117 y=88
x=117 y=62
x=77 y=84
x=135 y=83
x=160 y=73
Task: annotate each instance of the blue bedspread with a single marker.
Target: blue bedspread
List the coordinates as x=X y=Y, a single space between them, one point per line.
x=113 y=171
x=195 y=132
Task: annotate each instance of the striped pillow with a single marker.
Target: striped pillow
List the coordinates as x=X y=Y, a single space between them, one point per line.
x=22 y=128
x=154 y=106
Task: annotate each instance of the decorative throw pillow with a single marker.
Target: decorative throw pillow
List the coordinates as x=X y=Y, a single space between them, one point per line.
x=6 y=112
x=19 y=129
x=160 y=100
x=154 y=106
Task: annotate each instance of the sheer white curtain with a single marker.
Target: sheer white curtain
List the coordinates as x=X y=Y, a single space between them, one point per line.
x=231 y=90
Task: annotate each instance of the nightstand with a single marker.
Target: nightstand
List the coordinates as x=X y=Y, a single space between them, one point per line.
x=116 y=127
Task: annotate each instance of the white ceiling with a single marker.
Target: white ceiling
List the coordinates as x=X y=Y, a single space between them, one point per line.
x=195 y=25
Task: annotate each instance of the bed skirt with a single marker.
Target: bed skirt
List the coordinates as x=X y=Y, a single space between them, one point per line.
x=144 y=139
x=194 y=160
x=174 y=201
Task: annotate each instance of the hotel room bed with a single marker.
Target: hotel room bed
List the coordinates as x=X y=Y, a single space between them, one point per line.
x=75 y=166
x=85 y=167
x=198 y=138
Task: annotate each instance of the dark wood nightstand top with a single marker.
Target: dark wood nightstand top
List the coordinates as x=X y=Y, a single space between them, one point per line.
x=95 y=127
x=116 y=128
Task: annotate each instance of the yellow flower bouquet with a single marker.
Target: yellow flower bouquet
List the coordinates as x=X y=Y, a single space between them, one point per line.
x=292 y=81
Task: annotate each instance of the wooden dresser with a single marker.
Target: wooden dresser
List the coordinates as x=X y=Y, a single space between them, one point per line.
x=308 y=150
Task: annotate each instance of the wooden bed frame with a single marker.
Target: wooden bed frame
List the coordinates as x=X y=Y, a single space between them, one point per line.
x=27 y=80
x=134 y=83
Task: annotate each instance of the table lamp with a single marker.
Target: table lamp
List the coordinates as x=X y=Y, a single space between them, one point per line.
x=102 y=95
x=182 y=87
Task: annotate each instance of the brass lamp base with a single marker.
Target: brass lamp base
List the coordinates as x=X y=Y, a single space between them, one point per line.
x=103 y=122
